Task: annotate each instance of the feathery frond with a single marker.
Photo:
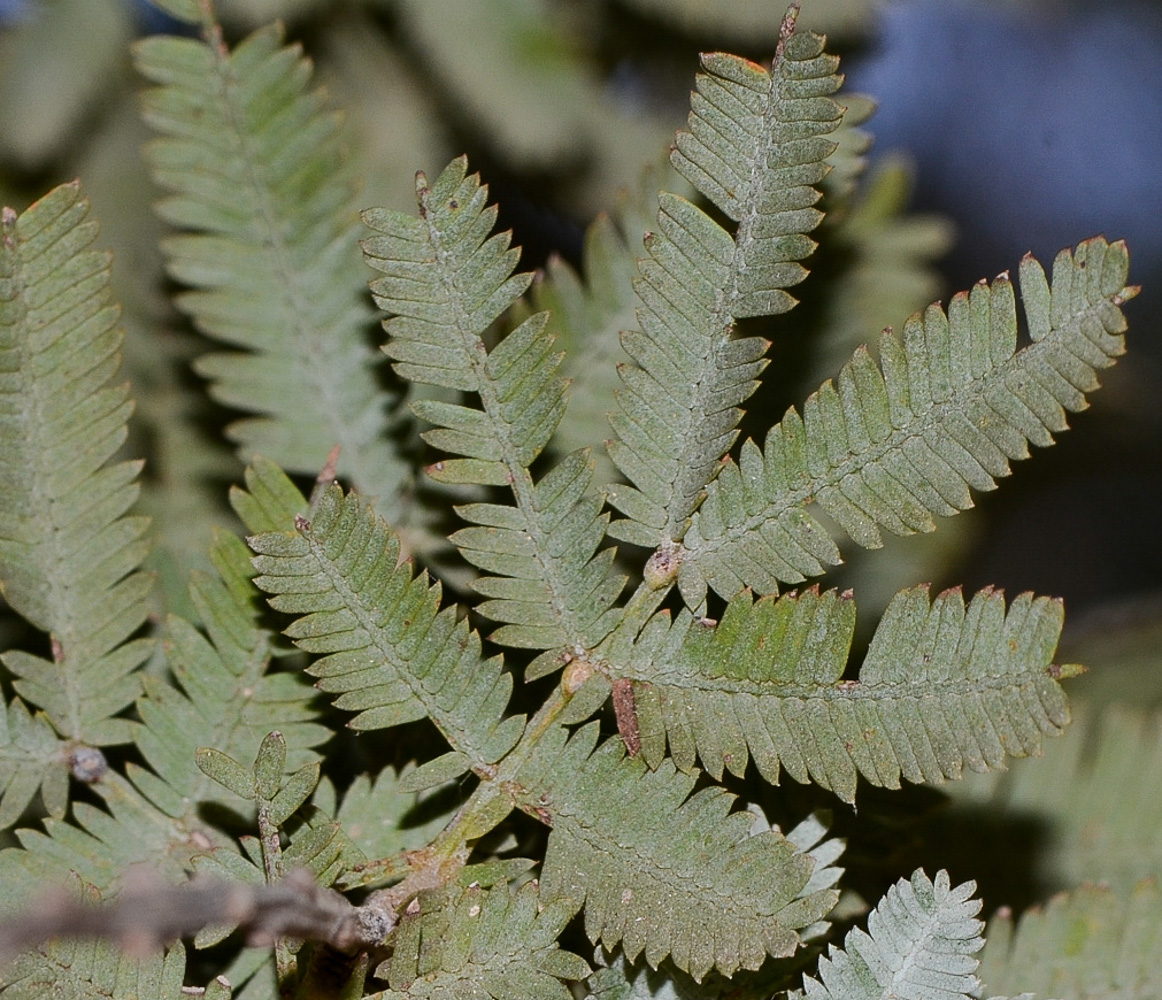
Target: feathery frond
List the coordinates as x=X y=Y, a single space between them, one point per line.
x=226 y=697
x=68 y=553
x=445 y=280
x=154 y=816
x=390 y=653
x=921 y=941
x=757 y=145
x=31 y=758
x=98 y=970
x=649 y=860
x=261 y=185
x=588 y=311
x=463 y=944
x=765 y=682
x=951 y=403
x=1095 y=942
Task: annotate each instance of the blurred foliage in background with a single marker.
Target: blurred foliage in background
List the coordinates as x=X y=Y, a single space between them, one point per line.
x=560 y=104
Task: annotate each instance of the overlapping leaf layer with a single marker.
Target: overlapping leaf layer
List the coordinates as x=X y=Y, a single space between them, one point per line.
x=649 y=860
x=261 y=184
x=944 y=687
x=385 y=647
x=951 y=403
x=69 y=556
x=757 y=146
x=444 y=281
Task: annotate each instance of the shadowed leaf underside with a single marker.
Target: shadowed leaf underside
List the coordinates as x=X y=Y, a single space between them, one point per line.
x=650 y=860
x=383 y=644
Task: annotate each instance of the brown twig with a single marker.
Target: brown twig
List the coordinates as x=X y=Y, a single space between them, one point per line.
x=149 y=913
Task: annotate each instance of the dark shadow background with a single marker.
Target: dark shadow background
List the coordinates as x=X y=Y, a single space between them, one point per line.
x=1033 y=126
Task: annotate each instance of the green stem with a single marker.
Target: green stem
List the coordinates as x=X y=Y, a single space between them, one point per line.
x=488 y=806
x=268 y=838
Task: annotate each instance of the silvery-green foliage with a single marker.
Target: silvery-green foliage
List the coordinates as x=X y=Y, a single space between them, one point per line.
x=921 y=942
x=691 y=653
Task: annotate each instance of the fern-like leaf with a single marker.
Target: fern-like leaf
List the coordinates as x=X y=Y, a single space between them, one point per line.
x=68 y=555
x=224 y=694
x=390 y=653
x=765 y=682
x=98 y=970
x=1096 y=942
x=921 y=942
x=445 y=280
x=463 y=944
x=757 y=145
x=227 y=698
x=649 y=860
x=261 y=185
x=31 y=759
x=950 y=405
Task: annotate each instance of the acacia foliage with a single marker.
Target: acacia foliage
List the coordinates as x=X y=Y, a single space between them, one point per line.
x=643 y=842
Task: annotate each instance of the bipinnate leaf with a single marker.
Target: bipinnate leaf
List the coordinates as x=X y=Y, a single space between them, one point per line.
x=69 y=556
x=223 y=695
x=261 y=187
x=97 y=970
x=650 y=861
x=467 y=943
x=757 y=146
x=443 y=281
x=951 y=403
x=385 y=647
x=619 y=980
x=32 y=757
x=588 y=311
x=944 y=687
x=226 y=696
x=1096 y=942
x=921 y=942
